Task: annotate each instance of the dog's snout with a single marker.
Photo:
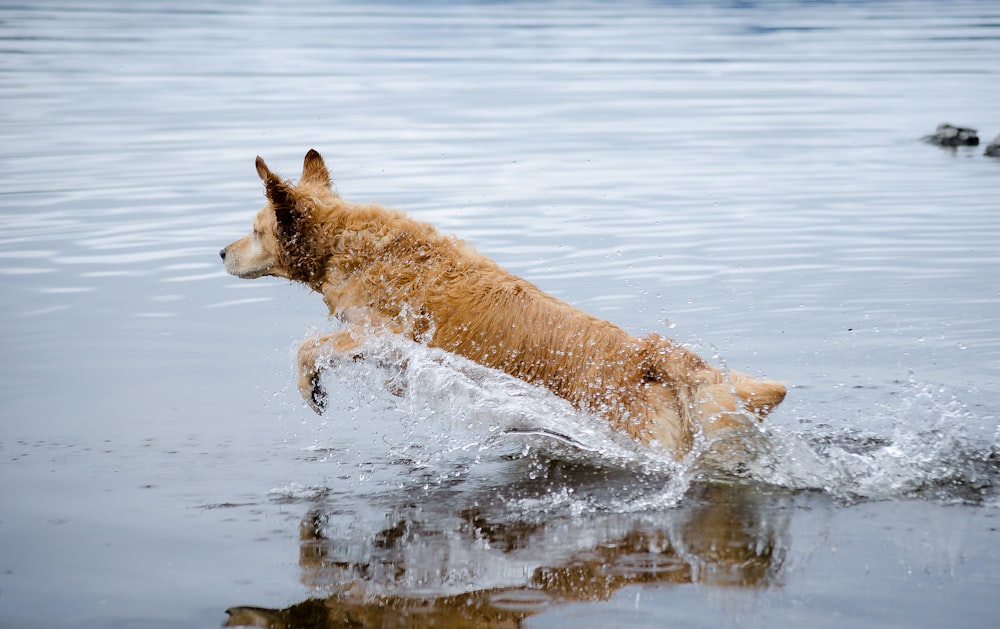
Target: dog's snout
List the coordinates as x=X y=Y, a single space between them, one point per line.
x=222 y=254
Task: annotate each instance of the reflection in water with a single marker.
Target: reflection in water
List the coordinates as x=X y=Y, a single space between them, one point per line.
x=415 y=573
x=745 y=174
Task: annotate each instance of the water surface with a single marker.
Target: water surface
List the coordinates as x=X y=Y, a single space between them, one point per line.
x=747 y=178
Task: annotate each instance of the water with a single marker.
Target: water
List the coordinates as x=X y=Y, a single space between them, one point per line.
x=746 y=178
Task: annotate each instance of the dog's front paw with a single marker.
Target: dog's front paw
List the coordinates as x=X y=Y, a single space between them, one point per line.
x=313 y=393
x=318 y=399
x=310 y=387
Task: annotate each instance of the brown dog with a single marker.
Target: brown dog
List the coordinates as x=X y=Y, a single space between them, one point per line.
x=380 y=271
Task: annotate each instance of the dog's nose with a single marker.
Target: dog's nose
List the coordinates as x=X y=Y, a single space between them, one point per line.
x=222 y=254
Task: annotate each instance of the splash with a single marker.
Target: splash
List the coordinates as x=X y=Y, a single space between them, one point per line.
x=934 y=447
x=450 y=404
x=451 y=408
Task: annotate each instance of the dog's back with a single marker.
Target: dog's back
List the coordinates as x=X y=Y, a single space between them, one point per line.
x=651 y=388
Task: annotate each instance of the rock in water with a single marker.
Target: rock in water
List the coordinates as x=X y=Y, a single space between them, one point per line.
x=950 y=135
x=993 y=148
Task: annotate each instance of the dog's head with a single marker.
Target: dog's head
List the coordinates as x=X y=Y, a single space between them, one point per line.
x=280 y=242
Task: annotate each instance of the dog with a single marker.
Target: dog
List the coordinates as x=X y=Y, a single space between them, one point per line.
x=380 y=271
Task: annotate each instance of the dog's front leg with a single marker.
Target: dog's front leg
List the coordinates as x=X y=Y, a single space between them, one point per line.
x=317 y=353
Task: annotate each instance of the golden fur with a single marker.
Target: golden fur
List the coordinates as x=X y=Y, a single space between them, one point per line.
x=381 y=271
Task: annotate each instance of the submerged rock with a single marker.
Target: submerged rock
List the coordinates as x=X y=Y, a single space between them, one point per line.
x=993 y=148
x=950 y=135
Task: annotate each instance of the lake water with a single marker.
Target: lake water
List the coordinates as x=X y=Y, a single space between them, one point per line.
x=747 y=178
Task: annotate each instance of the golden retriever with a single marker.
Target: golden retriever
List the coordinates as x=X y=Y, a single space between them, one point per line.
x=380 y=271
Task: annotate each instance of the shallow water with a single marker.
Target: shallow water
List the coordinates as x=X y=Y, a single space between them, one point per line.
x=746 y=178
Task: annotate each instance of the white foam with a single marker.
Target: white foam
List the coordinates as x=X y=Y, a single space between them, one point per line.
x=451 y=407
x=930 y=450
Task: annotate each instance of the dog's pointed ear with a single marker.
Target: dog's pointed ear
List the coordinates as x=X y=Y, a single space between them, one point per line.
x=314 y=170
x=262 y=170
x=279 y=192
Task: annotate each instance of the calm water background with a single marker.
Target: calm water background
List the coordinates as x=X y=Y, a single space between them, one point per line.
x=745 y=177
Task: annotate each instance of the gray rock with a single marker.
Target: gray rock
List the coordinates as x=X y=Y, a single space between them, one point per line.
x=950 y=135
x=993 y=148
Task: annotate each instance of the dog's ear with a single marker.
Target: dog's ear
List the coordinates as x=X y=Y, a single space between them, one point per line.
x=314 y=170
x=279 y=193
x=263 y=171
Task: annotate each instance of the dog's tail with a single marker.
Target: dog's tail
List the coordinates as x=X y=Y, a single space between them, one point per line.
x=708 y=389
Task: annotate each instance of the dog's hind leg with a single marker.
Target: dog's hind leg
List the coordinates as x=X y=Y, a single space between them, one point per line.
x=317 y=353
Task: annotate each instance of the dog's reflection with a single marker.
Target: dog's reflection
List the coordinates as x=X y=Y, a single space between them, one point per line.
x=488 y=572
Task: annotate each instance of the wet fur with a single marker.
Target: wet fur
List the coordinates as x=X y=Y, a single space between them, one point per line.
x=380 y=271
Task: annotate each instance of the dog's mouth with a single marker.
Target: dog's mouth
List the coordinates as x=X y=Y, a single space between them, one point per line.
x=247 y=274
